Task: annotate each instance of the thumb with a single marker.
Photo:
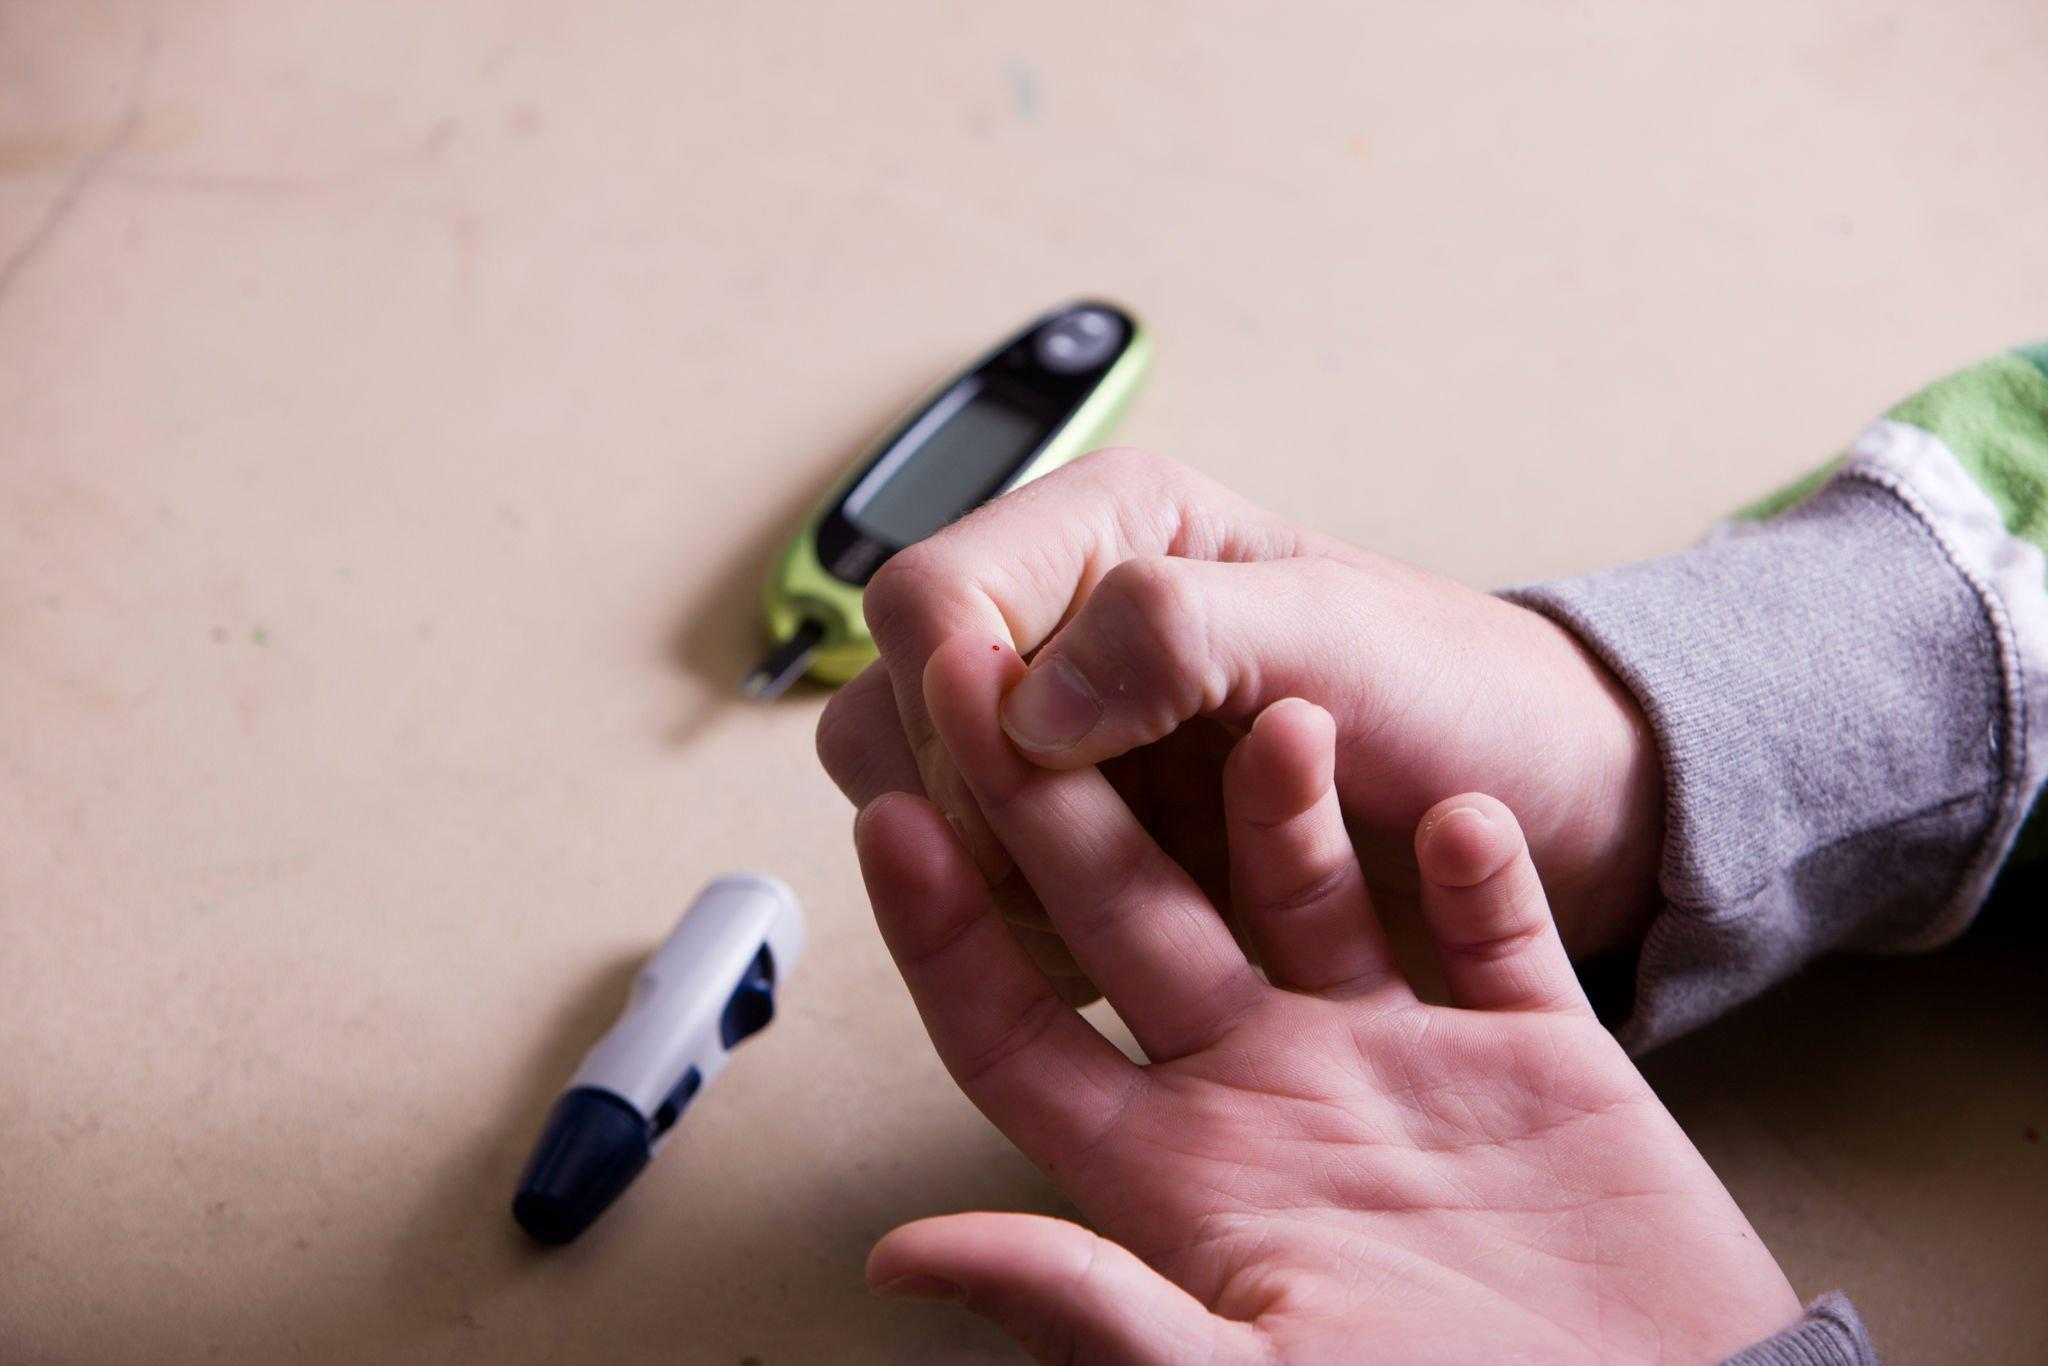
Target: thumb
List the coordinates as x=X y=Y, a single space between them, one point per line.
x=1064 y=1293
x=1162 y=639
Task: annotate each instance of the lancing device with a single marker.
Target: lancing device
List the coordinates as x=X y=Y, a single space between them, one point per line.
x=710 y=984
x=1046 y=395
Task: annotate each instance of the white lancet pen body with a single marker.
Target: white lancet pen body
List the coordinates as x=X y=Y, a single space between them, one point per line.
x=710 y=985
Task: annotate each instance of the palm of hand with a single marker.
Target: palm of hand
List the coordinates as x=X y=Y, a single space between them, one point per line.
x=1420 y=1177
x=1318 y=1168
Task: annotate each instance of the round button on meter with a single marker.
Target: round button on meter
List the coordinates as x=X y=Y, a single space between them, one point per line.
x=1081 y=340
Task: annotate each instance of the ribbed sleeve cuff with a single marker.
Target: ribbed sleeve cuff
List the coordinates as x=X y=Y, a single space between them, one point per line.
x=1830 y=694
x=1830 y=1334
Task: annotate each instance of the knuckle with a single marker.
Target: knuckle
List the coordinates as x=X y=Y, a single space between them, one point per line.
x=1496 y=943
x=1158 y=619
x=853 y=738
x=1098 y=913
x=1148 y=593
x=901 y=589
x=1327 y=585
x=1026 y=1030
x=1128 y=468
x=1317 y=575
x=1163 y=471
x=838 y=738
x=1310 y=891
x=1507 y=914
x=1114 y=460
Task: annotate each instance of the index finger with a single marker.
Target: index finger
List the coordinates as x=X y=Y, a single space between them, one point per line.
x=1038 y=1071
x=1136 y=922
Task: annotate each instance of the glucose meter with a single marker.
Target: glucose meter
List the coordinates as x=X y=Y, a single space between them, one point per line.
x=1047 y=394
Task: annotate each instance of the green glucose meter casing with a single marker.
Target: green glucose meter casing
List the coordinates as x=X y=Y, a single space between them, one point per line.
x=1048 y=394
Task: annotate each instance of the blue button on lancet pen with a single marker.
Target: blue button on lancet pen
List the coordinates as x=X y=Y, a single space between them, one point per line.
x=710 y=985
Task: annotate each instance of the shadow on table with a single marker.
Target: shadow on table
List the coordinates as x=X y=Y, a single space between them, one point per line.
x=718 y=635
x=1882 y=1121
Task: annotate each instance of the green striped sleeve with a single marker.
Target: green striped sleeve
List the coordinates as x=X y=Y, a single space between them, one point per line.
x=1994 y=417
x=1987 y=429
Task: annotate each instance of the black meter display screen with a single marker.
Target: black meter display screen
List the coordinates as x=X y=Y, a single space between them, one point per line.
x=956 y=456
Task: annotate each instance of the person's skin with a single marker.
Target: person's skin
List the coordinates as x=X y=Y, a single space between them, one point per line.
x=1181 y=611
x=1319 y=1169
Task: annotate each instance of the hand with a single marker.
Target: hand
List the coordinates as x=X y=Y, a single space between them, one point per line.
x=1155 y=598
x=1323 y=1169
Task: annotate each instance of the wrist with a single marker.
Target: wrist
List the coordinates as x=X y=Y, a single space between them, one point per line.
x=1609 y=842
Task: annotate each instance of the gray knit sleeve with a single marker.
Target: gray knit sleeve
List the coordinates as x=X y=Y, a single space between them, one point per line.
x=1840 y=698
x=1830 y=1335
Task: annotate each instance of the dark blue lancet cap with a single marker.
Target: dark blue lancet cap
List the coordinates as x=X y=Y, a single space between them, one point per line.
x=593 y=1147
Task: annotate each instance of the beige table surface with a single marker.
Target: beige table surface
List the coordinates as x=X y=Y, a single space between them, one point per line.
x=399 y=404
